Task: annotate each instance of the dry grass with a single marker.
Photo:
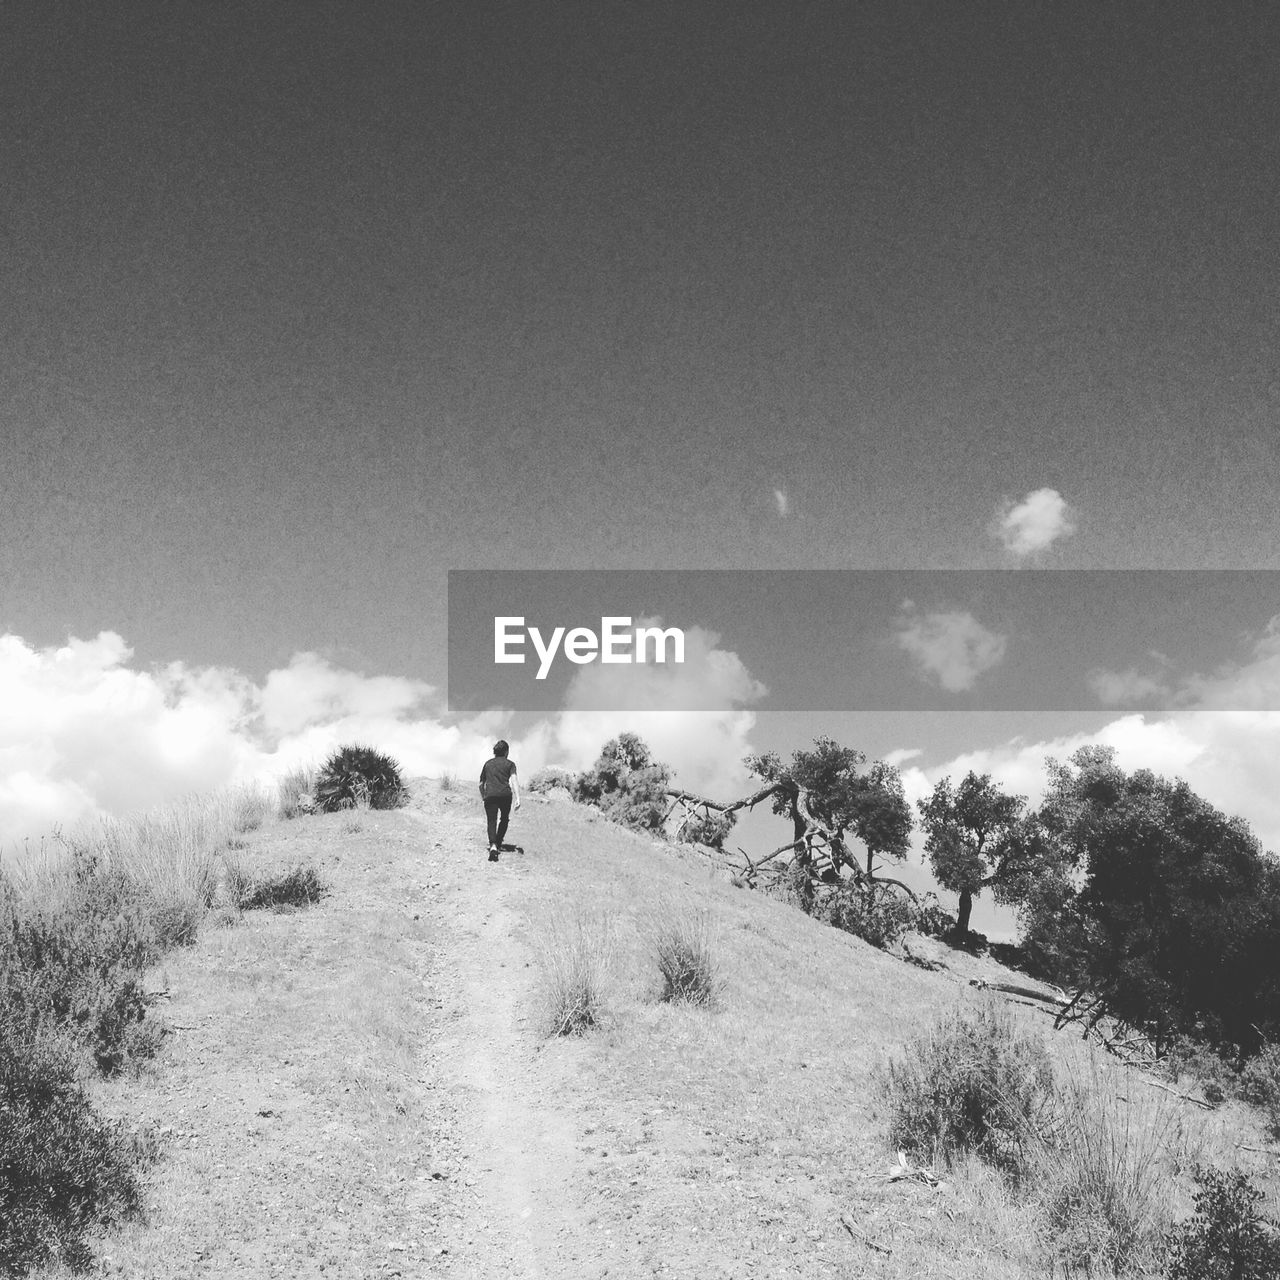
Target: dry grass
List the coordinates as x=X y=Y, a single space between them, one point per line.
x=573 y=955
x=683 y=938
x=295 y=785
x=1106 y=1174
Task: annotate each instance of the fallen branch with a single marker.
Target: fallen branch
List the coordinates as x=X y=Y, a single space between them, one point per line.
x=858 y=1234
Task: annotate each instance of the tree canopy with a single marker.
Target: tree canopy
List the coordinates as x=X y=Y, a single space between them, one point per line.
x=1177 y=910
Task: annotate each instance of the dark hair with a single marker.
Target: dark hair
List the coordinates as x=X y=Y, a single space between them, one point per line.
x=500 y=748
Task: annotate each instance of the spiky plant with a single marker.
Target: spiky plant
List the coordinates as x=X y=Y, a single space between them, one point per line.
x=358 y=775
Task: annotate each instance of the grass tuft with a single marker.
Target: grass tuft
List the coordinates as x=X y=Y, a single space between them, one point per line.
x=573 y=962
x=296 y=790
x=682 y=941
x=1105 y=1174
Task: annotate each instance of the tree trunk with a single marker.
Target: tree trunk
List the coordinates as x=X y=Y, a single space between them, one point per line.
x=966 y=910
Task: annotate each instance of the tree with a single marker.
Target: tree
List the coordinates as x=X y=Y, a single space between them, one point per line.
x=827 y=787
x=976 y=838
x=627 y=784
x=1178 y=908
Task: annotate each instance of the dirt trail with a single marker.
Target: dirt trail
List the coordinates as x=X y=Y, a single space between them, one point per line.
x=516 y=1143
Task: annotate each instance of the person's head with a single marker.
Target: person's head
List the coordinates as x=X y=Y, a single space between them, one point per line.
x=500 y=748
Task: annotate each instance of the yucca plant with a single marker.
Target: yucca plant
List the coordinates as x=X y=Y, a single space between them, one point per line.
x=356 y=776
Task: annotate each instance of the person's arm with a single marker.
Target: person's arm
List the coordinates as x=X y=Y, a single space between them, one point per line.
x=482 y=782
x=515 y=789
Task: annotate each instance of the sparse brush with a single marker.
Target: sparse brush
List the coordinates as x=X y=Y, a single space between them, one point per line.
x=66 y=1173
x=1104 y=1174
x=682 y=942
x=549 y=778
x=296 y=790
x=297 y=887
x=447 y=782
x=354 y=776
x=974 y=1082
x=250 y=808
x=573 y=962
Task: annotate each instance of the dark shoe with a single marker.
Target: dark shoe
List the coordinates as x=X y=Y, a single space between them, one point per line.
x=493 y=855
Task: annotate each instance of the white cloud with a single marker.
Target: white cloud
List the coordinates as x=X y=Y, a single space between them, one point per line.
x=1034 y=524
x=951 y=646
x=86 y=734
x=693 y=716
x=1133 y=685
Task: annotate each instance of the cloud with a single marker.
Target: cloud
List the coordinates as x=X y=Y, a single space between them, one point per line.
x=1252 y=684
x=1133 y=686
x=85 y=733
x=1034 y=524
x=951 y=647
x=693 y=716
x=782 y=502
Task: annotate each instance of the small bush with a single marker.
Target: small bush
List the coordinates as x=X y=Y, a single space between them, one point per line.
x=1227 y=1239
x=973 y=1083
x=297 y=789
x=550 y=778
x=878 y=916
x=932 y=920
x=447 y=782
x=297 y=887
x=78 y=964
x=355 y=776
x=65 y=1172
x=573 y=961
x=682 y=941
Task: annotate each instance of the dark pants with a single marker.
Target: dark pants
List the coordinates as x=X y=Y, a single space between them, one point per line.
x=497 y=809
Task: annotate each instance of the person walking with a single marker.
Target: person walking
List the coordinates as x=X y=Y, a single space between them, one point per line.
x=499 y=787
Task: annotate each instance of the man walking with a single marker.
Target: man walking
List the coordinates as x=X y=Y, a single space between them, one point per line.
x=498 y=788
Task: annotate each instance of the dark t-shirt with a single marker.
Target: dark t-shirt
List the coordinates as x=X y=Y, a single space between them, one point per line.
x=495 y=777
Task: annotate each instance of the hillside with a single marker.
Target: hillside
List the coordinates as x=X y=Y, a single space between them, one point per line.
x=360 y=1088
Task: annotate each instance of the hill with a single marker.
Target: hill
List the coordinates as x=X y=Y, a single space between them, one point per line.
x=362 y=1088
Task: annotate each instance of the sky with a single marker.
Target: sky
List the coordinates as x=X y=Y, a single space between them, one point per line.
x=307 y=305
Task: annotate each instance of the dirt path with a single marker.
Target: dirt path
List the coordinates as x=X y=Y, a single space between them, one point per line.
x=354 y=1089
x=515 y=1146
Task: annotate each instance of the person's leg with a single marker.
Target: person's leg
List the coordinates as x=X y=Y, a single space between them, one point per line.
x=504 y=816
x=491 y=805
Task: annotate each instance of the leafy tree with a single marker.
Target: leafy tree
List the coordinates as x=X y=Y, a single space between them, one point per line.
x=627 y=784
x=869 y=805
x=977 y=838
x=1178 y=909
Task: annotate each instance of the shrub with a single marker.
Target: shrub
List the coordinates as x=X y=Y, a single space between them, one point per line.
x=877 y=916
x=1227 y=1239
x=297 y=887
x=573 y=960
x=65 y=1172
x=358 y=775
x=297 y=789
x=932 y=920
x=974 y=1082
x=550 y=778
x=447 y=782
x=1102 y=1180
x=78 y=964
x=626 y=784
x=682 y=941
